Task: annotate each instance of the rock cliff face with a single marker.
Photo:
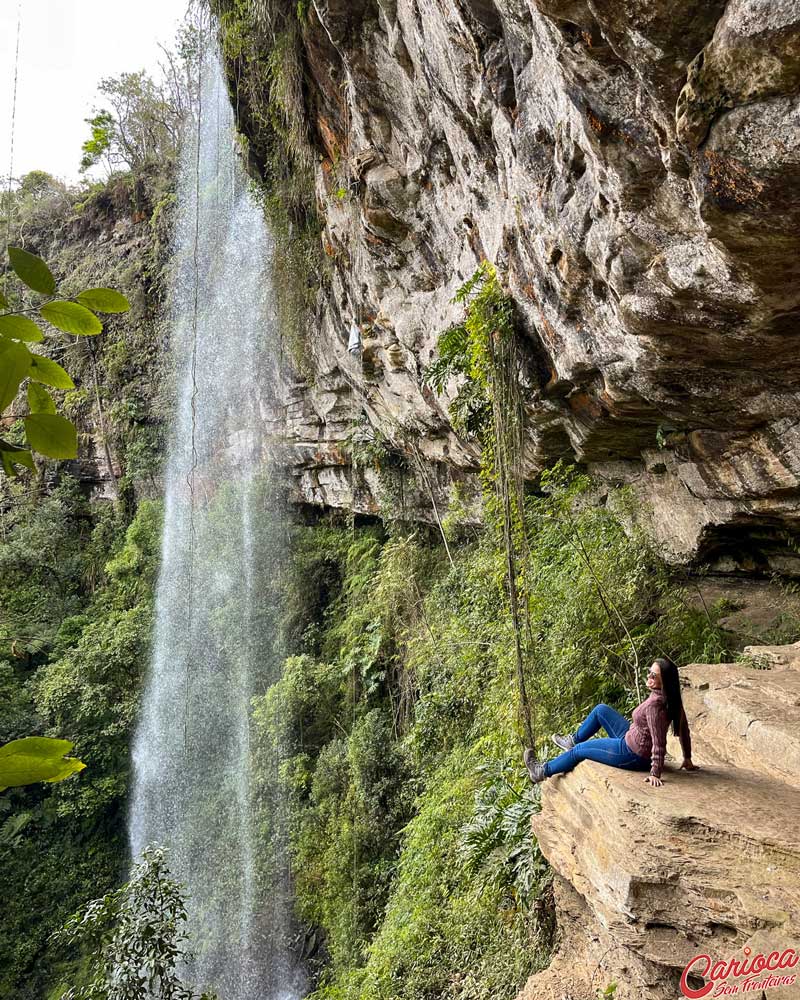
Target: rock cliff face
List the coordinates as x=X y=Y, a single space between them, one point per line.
x=633 y=170
x=648 y=878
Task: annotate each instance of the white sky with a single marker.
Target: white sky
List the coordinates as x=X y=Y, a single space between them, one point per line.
x=65 y=48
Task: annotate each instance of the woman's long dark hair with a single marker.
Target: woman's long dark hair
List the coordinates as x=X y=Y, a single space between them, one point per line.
x=671 y=686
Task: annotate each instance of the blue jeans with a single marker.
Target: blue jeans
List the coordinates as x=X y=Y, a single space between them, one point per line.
x=611 y=750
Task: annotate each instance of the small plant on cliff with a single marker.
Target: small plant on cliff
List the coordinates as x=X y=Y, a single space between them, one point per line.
x=460 y=354
x=607 y=992
x=365 y=444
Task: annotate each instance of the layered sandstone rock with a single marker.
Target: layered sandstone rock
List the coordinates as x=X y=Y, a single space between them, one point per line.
x=647 y=878
x=634 y=172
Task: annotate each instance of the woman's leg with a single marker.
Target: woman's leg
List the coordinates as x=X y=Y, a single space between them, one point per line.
x=610 y=750
x=604 y=716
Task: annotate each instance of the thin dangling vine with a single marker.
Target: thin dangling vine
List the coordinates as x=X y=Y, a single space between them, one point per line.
x=9 y=203
x=354 y=348
x=489 y=405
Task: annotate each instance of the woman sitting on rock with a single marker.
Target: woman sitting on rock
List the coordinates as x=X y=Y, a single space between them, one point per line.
x=635 y=747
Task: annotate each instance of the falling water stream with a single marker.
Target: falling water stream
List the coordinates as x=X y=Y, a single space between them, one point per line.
x=191 y=753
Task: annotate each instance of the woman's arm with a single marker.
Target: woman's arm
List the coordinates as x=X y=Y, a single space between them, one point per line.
x=686 y=743
x=657 y=721
x=684 y=736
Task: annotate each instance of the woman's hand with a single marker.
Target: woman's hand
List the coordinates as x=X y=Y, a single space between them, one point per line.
x=687 y=765
x=654 y=781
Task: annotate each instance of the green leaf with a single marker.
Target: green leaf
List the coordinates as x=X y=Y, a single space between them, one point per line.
x=49 y=372
x=20 y=328
x=104 y=300
x=32 y=270
x=51 y=435
x=11 y=455
x=15 y=360
x=36 y=758
x=3 y=301
x=71 y=318
x=39 y=399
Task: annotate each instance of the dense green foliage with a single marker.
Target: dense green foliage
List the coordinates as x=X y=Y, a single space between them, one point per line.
x=397 y=720
x=134 y=938
x=76 y=593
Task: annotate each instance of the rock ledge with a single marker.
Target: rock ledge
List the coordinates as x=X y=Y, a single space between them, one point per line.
x=709 y=863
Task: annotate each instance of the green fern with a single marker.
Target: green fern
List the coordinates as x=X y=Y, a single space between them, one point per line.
x=497 y=845
x=452 y=358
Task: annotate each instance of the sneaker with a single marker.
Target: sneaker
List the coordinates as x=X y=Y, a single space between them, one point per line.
x=535 y=769
x=565 y=742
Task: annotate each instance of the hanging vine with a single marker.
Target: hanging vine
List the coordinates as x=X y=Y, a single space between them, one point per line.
x=489 y=405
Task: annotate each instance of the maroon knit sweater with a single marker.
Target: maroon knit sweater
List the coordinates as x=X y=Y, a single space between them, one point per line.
x=647 y=734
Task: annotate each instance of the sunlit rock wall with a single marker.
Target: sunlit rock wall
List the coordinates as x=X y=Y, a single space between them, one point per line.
x=633 y=171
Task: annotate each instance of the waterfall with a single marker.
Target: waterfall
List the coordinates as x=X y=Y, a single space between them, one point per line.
x=220 y=551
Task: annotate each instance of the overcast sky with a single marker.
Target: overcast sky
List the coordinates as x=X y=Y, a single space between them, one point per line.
x=65 y=48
